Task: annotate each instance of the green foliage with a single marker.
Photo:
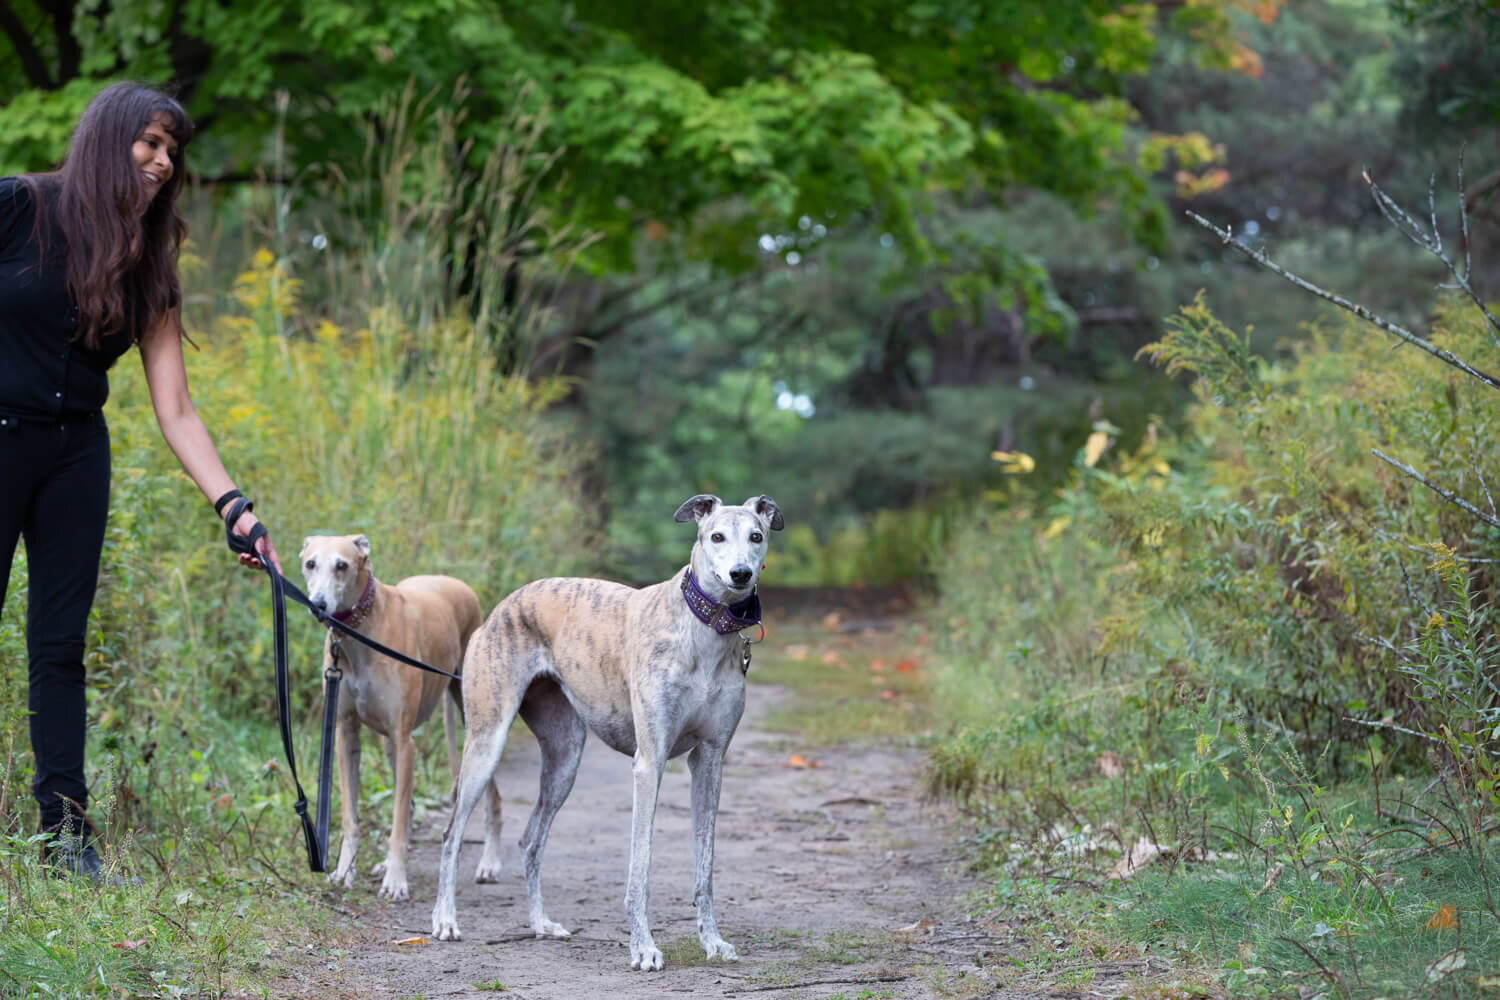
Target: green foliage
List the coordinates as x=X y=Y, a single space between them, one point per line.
x=716 y=126
x=1199 y=638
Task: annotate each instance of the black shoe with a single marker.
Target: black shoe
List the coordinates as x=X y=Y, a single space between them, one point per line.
x=72 y=856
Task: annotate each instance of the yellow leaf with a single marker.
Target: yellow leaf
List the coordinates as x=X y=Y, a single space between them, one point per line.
x=1057 y=527
x=1094 y=448
x=1015 y=462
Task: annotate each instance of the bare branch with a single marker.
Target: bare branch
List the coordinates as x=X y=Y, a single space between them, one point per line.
x=1463 y=214
x=1452 y=498
x=1433 y=244
x=1262 y=258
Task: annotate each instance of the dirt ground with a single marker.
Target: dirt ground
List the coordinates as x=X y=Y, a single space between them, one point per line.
x=831 y=881
x=837 y=879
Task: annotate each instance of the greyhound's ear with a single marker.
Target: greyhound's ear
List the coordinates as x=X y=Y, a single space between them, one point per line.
x=697 y=508
x=363 y=544
x=306 y=544
x=766 y=508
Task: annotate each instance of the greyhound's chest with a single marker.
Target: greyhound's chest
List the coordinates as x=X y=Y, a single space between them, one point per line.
x=703 y=705
x=371 y=693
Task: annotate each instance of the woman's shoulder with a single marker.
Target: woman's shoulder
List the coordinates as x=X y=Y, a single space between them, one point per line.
x=14 y=189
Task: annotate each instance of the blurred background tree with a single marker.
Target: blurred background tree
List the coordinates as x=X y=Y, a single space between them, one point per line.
x=844 y=253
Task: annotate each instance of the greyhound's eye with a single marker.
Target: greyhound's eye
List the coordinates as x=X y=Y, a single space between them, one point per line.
x=756 y=537
x=717 y=536
x=340 y=566
x=311 y=565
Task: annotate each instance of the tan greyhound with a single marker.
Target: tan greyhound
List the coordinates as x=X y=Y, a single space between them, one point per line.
x=655 y=673
x=429 y=618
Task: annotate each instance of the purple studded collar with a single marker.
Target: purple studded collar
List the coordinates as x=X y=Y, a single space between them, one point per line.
x=726 y=619
x=356 y=615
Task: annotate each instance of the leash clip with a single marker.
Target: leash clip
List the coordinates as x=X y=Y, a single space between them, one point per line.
x=745 y=653
x=333 y=671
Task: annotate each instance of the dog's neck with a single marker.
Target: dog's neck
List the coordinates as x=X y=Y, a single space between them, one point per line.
x=355 y=616
x=725 y=619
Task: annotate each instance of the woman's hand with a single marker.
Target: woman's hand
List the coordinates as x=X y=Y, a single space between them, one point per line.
x=263 y=547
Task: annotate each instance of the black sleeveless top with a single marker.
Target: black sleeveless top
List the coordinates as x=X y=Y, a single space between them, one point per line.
x=44 y=372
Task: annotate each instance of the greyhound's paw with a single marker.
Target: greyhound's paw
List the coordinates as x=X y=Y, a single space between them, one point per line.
x=545 y=928
x=394 y=888
x=378 y=868
x=646 y=959
x=721 y=949
x=488 y=872
x=445 y=929
x=343 y=877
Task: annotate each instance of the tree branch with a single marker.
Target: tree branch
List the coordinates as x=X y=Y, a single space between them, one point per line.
x=20 y=39
x=1452 y=498
x=69 y=55
x=1262 y=258
x=1433 y=242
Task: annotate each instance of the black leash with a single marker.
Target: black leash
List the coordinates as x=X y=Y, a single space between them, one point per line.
x=314 y=832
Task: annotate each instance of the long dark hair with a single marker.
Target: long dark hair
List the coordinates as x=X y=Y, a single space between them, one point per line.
x=121 y=264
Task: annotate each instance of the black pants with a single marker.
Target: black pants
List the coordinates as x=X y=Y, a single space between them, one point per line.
x=54 y=493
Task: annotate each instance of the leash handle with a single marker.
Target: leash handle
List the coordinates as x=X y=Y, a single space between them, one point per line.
x=241 y=545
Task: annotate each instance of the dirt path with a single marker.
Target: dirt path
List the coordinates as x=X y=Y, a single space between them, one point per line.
x=817 y=871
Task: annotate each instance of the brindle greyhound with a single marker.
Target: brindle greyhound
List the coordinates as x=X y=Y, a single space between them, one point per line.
x=655 y=673
x=426 y=617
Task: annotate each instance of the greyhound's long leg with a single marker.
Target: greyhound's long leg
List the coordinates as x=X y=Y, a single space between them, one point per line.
x=490 y=861
x=482 y=749
x=394 y=884
x=649 y=761
x=707 y=766
x=346 y=741
x=561 y=733
x=389 y=745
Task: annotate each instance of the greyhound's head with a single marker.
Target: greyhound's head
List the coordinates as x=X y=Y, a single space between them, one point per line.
x=732 y=541
x=336 y=568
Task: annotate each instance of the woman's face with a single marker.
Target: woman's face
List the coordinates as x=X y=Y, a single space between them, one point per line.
x=153 y=151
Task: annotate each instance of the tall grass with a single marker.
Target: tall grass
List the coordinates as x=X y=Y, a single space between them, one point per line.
x=1256 y=650
x=399 y=411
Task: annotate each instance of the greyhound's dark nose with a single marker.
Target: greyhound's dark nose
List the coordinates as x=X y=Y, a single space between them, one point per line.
x=321 y=603
x=741 y=575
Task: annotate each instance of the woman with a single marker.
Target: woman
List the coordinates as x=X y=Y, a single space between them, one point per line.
x=88 y=268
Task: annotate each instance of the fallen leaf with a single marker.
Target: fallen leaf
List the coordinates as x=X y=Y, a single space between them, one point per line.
x=906 y=666
x=129 y=945
x=833 y=659
x=1443 y=919
x=923 y=926
x=411 y=940
x=888 y=695
x=877 y=666
x=1135 y=859
x=831 y=620
x=799 y=761
x=1444 y=967
x=222 y=803
x=797 y=652
x=1109 y=765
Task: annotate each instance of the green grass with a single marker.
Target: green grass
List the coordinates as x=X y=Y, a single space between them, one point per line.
x=855 y=687
x=1326 y=927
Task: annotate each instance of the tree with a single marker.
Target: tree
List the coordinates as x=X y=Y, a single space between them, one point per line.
x=712 y=122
